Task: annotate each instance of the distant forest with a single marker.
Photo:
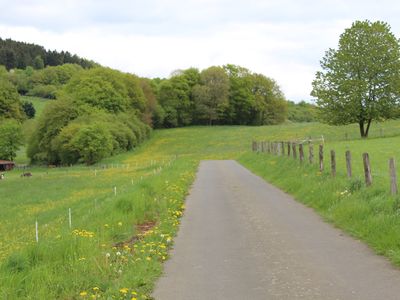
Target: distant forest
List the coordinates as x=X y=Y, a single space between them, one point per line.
x=19 y=55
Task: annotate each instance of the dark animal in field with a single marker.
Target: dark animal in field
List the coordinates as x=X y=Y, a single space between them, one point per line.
x=26 y=174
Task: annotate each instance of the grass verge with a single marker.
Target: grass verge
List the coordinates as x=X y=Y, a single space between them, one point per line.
x=106 y=255
x=369 y=214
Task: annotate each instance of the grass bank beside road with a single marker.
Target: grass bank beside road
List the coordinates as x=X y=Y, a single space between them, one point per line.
x=367 y=213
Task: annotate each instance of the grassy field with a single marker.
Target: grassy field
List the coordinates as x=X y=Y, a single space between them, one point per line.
x=112 y=248
x=28 y=126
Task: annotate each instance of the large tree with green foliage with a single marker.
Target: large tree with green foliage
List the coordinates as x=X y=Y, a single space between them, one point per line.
x=10 y=139
x=241 y=96
x=211 y=96
x=10 y=103
x=270 y=106
x=360 y=81
x=174 y=96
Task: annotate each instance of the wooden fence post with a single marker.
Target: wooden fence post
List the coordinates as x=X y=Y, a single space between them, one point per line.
x=348 y=164
x=367 y=169
x=288 y=148
x=393 y=177
x=283 y=148
x=301 y=153
x=321 y=158
x=294 y=150
x=333 y=163
x=254 y=146
x=311 y=153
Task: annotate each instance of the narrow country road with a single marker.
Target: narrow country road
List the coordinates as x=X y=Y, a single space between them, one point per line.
x=242 y=238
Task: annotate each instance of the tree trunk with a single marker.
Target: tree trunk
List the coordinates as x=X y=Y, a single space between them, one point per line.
x=362 y=131
x=367 y=130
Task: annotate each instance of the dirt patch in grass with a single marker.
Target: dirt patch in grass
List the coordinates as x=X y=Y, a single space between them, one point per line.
x=141 y=230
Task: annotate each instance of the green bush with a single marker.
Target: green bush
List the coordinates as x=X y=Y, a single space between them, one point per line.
x=44 y=91
x=10 y=139
x=93 y=143
x=10 y=103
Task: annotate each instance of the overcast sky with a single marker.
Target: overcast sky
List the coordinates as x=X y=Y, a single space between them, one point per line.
x=282 y=39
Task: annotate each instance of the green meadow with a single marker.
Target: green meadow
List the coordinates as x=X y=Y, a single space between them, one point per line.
x=125 y=210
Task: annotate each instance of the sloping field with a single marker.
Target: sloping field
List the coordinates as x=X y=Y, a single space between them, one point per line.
x=125 y=211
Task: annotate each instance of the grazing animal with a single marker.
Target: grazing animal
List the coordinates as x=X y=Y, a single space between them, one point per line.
x=26 y=174
x=2 y=176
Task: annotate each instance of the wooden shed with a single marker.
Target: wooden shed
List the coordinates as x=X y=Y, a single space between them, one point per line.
x=6 y=165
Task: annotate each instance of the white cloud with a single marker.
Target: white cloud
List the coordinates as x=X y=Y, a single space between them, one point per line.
x=284 y=40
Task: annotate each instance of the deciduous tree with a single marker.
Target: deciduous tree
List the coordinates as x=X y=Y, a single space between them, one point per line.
x=360 y=81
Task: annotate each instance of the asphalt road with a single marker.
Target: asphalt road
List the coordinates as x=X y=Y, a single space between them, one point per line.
x=242 y=238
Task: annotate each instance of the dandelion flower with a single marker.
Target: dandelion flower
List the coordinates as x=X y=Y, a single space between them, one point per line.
x=83 y=293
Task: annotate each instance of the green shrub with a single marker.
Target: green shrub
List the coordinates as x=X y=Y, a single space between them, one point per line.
x=43 y=91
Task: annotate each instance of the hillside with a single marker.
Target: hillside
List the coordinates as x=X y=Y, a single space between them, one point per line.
x=19 y=55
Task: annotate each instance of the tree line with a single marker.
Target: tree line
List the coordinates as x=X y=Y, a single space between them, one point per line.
x=97 y=112
x=227 y=95
x=19 y=55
